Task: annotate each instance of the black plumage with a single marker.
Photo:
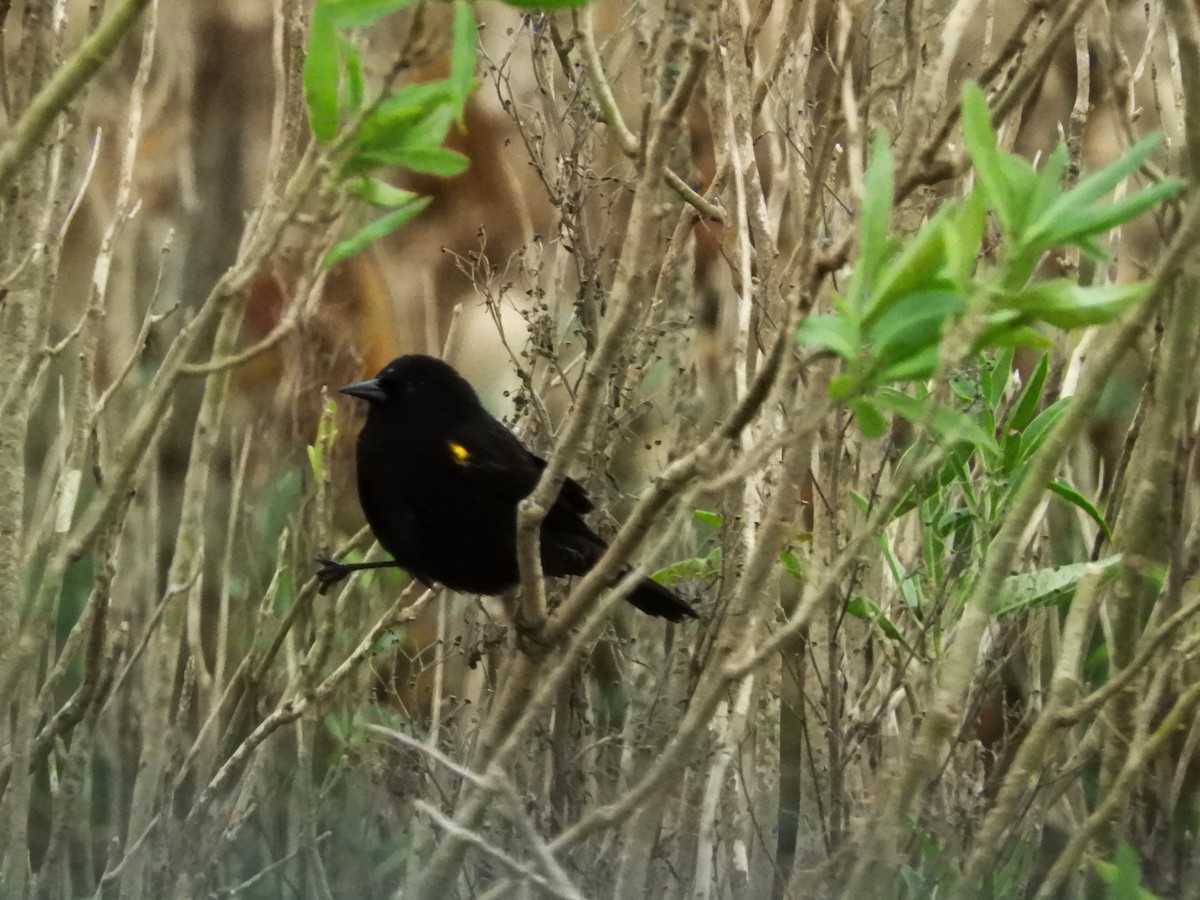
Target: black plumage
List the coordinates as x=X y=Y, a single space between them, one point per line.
x=439 y=480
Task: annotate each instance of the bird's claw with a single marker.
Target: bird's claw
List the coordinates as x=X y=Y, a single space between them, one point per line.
x=331 y=572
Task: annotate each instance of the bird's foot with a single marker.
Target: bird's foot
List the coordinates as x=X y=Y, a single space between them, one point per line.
x=331 y=572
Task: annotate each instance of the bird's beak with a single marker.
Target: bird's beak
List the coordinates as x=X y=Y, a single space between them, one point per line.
x=365 y=390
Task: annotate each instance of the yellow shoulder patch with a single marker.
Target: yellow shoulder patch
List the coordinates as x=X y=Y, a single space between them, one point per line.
x=461 y=453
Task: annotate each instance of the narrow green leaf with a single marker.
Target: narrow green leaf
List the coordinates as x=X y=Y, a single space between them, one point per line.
x=1123 y=877
x=918 y=267
x=464 y=35
x=912 y=325
x=1090 y=249
x=869 y=612
x=409 y=104
x=986 y=155
x=321 y=77
x=356 y=88
x=1065 y=304
x=1021 y=181
x=1039 y=429
x=870 y=420
x=1031 y=395
x=1045 y=586
x=316 y=462
x=380 y=193
x=1076 y=499
x=1075 y=224
x=432 y=161
x=830 y=332
x=998 y=375
x=381 y=227
x=1007 y=334
x=916 y=367
x=407 y=137
x=1050 y=180
x=963 y=234
x=706 y=566
x=949 y=425
x=874 y=217
x=1094 y=187
x=791 y=564
x=708 y=517
x=908 y=583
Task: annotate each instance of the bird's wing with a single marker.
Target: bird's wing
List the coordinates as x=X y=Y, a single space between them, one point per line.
x=497 y=463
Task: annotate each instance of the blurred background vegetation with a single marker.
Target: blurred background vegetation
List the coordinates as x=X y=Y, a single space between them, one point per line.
x=893 y=375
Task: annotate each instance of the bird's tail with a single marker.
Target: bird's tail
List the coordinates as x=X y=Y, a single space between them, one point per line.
x=655 y=600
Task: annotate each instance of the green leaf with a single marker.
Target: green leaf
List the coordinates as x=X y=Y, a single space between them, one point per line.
x=408 y=137
x=1123 y=877
x=1050 y=180
x=912 y=325
x=380 y=193
x=412 y=118
x=369 y=234
x=995 y=377
x=1045 y=586
x=949 y=425
x=922 y=364
x=358 y=13
x=464 y=34
x=708 y=517
x=876 y=213
x=1072 y=496
x=406 y=106
x=791 y=564
x=1039 y=429
x=1065 y=304
x=316 y=462
x=433 y=161
x=356 y=89
x=909 y=584
x=985 y=153
x=1009 y=332
x=321 y=77
x=1023 y=189
x=918 y=267
x=830 y=332
x=869 y=612
x=1090 y=249
x=842 y=387
x=1075 y=224
x=1031 y=395
x=688 y=569
x=1090 y=190
x=870 y=420
x=963 y=234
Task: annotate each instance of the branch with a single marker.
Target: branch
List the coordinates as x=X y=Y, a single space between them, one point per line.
x=66 y=82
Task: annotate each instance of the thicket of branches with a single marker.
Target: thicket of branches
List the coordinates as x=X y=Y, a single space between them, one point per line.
x=846 y=350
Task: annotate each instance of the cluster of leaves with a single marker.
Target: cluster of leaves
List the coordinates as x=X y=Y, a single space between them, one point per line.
x=889 y=327
x=890 y=330
x=960 y=504
x=403 y=127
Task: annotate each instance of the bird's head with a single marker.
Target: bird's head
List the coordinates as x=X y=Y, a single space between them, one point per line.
x=414 y=383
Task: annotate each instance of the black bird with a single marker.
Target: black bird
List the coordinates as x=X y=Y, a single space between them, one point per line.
x=439 y=480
